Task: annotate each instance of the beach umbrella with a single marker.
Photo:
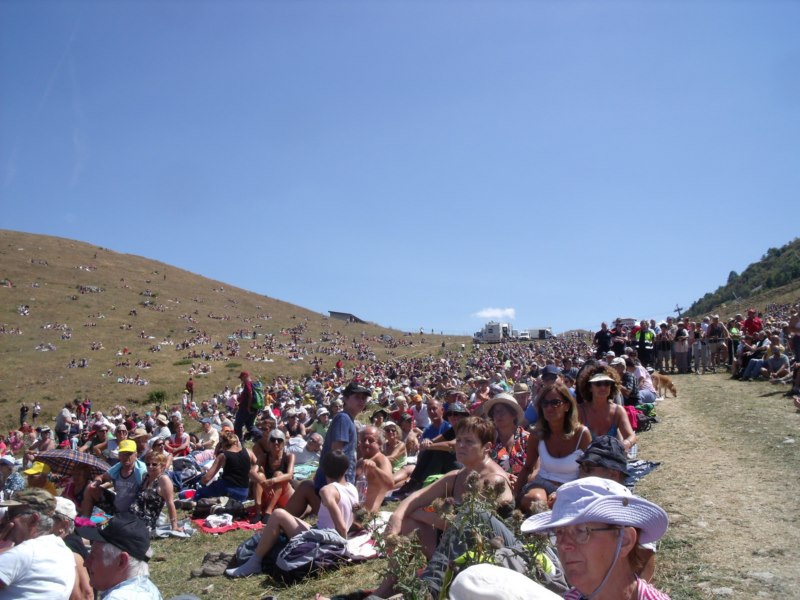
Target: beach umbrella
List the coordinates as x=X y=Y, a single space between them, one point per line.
x=62 y=462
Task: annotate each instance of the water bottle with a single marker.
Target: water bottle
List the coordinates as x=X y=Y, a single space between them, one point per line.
x=361 y=486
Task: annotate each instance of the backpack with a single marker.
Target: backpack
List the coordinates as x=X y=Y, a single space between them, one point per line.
x=645 y=422
x=309 y=552
x=258 y=396
x=218 y=506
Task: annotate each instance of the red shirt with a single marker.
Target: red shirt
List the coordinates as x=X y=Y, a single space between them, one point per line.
x=752 y=325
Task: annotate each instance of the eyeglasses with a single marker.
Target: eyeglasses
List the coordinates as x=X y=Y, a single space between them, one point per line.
x=153 y=465
x=579 y=535
x=546 y=403
x=276 y=440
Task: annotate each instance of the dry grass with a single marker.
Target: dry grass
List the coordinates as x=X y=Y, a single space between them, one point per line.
x=174 y=559
x=28 y=375
x=728 y=481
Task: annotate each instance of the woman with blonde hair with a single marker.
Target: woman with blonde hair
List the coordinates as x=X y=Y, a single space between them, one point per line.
x=156 y=491
x=557 y=441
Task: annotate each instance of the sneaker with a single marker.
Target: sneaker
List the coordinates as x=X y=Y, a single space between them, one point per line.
x=256 y=518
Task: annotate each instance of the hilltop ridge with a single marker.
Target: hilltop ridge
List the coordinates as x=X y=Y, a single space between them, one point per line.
x=62 y=298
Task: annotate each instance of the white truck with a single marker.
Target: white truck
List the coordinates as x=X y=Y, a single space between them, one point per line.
x=493 y=333
x=540 y=333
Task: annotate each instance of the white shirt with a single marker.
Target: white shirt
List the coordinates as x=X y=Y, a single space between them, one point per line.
x=41 y=567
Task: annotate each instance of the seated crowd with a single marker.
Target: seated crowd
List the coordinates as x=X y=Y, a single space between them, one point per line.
x=529 y=422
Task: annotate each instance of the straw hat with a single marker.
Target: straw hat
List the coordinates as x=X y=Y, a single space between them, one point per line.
x=505 y=399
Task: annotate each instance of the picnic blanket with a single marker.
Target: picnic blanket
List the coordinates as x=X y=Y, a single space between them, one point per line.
x=240 y=524
x=638 y=469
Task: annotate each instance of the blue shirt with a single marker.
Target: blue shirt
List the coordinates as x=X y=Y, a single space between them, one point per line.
x=342 y=429
x=530 y=413
x=431 y=431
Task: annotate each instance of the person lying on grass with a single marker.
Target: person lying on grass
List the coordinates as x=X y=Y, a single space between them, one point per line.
x=337 y=499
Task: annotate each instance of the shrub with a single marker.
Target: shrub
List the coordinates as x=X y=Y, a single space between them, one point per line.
x=157 y=396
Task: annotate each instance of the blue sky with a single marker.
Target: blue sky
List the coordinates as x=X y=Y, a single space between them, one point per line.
x=414 y=163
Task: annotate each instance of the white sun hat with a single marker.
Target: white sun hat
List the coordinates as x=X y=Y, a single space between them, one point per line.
x=490 y=581
x=597 y=500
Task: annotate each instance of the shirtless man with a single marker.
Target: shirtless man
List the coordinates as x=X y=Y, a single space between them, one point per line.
x=43 y=444
x=375 y=466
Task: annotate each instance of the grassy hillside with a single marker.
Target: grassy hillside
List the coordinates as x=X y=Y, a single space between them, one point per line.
x=773 y=279
x=171 y=306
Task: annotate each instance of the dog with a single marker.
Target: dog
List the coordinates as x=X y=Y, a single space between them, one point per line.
x=662 y=383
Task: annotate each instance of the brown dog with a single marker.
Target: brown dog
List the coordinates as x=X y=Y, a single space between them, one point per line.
x=663 y=383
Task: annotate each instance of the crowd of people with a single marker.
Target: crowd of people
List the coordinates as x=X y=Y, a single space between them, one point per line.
x=546 y=424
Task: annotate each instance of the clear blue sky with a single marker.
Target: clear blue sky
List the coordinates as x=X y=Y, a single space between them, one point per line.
x=414 y=163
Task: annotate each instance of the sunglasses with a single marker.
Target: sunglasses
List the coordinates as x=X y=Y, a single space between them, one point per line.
x=546 y=403
x=602 y=383
x=153 y=464
x=276 y=440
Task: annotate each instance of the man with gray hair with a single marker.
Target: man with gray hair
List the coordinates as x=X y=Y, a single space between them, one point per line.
x=39 y=564
x=117 y=563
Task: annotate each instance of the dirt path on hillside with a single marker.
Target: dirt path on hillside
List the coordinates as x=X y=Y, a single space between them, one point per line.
x=729 y=482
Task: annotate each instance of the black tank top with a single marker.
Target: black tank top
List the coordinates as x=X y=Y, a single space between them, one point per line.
x=237 y=468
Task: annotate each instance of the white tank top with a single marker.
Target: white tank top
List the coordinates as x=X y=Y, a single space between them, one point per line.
x=348 y=496
x=562 y=469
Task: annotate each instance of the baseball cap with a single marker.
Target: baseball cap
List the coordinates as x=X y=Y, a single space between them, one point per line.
x=37 y=468
x=456 y=408
x=277 y=434
x=355 y=387
x=65 y=508
x=606 y=451
x=551 y=370
x=36 y=498
x=126 y=531
x=127 y=446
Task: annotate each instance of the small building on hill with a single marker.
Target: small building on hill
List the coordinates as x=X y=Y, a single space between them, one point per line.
x=343 y=316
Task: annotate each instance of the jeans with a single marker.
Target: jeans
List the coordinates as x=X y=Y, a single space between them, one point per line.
x=754 y=368
x=219 y=488
x=646 y=396
x=244 y=420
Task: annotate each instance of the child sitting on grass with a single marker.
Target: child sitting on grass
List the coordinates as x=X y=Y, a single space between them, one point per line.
x=336 y=512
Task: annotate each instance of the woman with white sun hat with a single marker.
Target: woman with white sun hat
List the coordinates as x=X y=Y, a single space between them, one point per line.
x=596 y=525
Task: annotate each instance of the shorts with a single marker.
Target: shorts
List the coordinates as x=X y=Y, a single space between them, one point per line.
x=548 y=486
